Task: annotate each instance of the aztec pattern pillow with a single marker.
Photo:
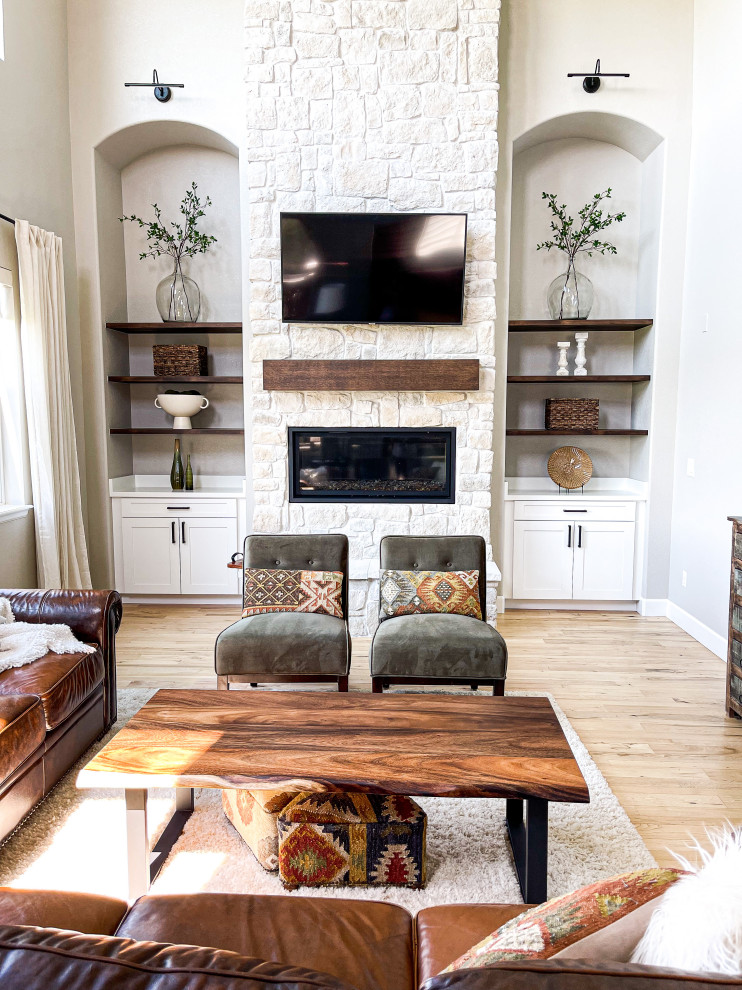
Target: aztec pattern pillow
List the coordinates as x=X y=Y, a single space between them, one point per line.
x=545 y=930
x=412 y=592
x=292 y=591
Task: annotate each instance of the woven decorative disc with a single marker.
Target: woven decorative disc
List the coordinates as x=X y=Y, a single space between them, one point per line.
x=570 y=467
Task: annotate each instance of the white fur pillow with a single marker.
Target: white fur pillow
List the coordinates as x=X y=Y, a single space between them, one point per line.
x=697 y=925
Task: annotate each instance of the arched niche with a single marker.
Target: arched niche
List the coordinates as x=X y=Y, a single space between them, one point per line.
x=575 y=156
x=155 y=162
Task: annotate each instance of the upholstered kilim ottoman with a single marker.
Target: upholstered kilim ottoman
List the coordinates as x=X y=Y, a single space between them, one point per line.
x=255 y=816
x=355 y=839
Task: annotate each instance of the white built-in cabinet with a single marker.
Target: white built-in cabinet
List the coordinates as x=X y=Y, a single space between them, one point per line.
x=570 y=549
x=175 y=545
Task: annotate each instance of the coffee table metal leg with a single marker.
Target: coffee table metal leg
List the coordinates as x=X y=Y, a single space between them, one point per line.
x=137 y=842
x=529 y=841
x=143 y=865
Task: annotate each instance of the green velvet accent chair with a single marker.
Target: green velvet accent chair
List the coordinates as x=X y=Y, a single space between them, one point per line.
x=289 y=647
x=438 y=649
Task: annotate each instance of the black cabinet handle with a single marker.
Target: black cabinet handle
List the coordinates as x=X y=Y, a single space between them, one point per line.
x=579 y=537
x=182 y=531
x=172 y=530
x=574 y=510
x=186 y=508
x=569 y=536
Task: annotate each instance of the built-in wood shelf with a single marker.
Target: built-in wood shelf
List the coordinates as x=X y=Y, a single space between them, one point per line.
x=577 y=433
x=574 y=379
x=371 y=376
x=542 y=326
x=195 y=379
x=172 y=432
x=175 y=328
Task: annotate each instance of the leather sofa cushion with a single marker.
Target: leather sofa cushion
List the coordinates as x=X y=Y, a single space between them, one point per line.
x=433 y=646
x=445 y=932
x=284 y=643
x=61 y=909
x=576 y=974
x=40 y=958
x=22 y=730
x=62 y=681
x=365 y=943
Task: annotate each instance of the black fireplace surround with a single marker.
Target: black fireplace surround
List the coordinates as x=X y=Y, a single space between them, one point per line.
x=377 y=464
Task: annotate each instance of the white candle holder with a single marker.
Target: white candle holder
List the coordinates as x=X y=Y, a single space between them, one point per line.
x=580 y=359
x=563 y=346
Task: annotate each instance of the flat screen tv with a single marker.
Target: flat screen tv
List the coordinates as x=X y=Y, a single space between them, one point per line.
x=373 y=267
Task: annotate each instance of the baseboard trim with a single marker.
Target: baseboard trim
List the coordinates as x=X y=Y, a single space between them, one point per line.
x=653 y=606
x=500 y=604
x=698 y=630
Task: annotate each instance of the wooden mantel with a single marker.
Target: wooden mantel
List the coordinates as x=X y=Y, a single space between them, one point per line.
x=371 y=376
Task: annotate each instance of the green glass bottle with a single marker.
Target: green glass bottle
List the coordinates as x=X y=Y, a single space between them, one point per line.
x=176 y=471
x=189 y=475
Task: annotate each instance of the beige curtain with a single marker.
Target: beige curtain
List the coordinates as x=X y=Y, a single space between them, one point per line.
x=62 y=556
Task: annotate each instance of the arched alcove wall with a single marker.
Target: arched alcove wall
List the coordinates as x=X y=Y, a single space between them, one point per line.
x=155 y=162
x=575 y=156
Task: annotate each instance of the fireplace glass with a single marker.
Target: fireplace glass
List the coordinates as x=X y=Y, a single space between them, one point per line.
x=371 y=465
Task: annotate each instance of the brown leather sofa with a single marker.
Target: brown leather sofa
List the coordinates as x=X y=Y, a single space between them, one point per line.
x=52 y=709
x=241 y=941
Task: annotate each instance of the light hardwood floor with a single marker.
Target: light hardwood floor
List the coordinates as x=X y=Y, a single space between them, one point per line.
x=646 y=699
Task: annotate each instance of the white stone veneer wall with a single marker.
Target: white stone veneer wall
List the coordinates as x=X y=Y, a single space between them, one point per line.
x=378 y=106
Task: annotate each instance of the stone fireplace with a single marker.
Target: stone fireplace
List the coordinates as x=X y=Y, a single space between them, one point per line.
x=372 y=106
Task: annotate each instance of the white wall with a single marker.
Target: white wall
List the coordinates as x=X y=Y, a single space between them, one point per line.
x=708 y=395
x=541 y=42
x=111 y=43
x=36 y=185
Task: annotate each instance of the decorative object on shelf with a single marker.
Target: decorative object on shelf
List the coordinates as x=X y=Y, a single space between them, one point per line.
x=570 y=295
x=181 y=406
x=189 y=475
x=571 y=414
x=176 y=471
x=171 y=360
x=562 y=368
x=570 y=467
x=591 y=80
x=178 y=297
x=580 y=360
x=163 y=91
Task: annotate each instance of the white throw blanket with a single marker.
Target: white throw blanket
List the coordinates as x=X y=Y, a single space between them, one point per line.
x=23 y=642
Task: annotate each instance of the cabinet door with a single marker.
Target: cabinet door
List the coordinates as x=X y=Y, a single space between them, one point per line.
x=151 y=556
x=604 y=561
x=205 y=548
x=542 y=560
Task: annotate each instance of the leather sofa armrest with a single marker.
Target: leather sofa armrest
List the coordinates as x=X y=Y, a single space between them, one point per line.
x=93 y=616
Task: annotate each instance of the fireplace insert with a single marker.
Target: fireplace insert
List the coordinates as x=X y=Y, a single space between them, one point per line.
x=379 y=464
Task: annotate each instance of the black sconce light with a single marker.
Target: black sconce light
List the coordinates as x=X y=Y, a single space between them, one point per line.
x=163 y=91
x=591 y=80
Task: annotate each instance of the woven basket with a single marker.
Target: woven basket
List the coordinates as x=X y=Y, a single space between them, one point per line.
x=179 y=359
x=571 y=414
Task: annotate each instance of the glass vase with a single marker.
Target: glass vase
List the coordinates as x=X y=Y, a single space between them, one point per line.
x=176 y=471
x=571 y=296
x=178 y=298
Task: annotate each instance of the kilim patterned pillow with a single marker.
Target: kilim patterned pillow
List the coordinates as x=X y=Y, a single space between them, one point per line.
x=545 y=930
x=411 y=592
x=292 y=591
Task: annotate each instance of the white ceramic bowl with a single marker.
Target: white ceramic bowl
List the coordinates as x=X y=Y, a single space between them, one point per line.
x=181 y=407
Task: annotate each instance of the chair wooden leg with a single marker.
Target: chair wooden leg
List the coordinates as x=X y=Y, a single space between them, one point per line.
x=222 y=682
x=498 y=689
x=343 y=683
x=377 y=685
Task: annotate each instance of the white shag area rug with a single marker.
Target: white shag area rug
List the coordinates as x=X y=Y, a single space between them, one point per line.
x=76 y=840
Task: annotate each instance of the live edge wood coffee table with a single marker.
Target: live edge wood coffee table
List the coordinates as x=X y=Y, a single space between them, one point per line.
x=416 y=744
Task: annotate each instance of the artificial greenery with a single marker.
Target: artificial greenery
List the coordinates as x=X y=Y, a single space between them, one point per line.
x=184 y=240
x=574 y=239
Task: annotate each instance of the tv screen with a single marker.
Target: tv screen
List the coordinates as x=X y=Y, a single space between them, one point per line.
x=373 y=267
